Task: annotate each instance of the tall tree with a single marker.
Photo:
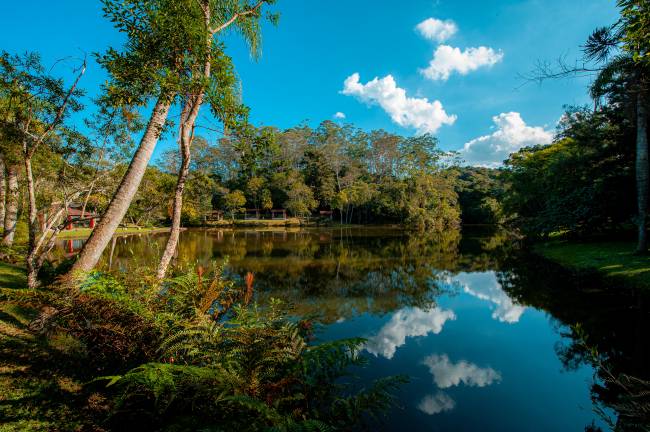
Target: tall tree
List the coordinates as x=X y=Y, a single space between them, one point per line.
x=11 y=205
x=165 y=38
x=620 y=58
x=220 y=87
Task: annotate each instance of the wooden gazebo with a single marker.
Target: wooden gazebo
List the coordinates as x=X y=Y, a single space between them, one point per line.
x=77 y=219
x=251 y=214
x=213 y=216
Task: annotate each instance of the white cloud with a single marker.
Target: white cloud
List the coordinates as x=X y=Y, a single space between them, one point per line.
x=447 y=374
x=425 y=116
x=407 y=322
x=434 y=404
x=511 y=135
x=447 y=59
x=437 y=30
x=339 y=115
x=485 y=286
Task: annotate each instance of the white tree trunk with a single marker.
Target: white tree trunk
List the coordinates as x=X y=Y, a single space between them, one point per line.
x=12 y=204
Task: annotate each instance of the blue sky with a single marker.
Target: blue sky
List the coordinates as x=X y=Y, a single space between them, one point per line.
x=319 y=44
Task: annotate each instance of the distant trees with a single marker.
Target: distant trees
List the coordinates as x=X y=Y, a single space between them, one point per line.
x=365 y=177
x=480 y=195
x=235 y=202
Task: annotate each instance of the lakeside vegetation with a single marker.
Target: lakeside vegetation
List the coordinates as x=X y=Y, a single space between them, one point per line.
x=613 y=260
x=160 y=348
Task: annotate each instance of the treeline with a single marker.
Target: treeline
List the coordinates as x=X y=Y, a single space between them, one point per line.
x=362 y=177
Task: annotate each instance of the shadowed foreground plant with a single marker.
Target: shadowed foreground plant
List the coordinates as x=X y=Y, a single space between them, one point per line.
x=198 y=354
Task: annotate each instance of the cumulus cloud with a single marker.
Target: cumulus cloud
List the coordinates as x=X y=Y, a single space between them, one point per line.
x=419 y=113
x=447 y=59
x=339 y=115
x=447 y=374
x=437 y=30
x=407 y=322
x=434 y=404
x=511 y=134
x=485 y=286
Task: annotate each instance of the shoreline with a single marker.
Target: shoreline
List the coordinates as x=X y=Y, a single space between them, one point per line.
x=84 y=233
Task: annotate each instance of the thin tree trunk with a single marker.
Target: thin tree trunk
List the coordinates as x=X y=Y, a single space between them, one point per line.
x=121 y=201
x=642 y=173
x=188 y=119
x=32 y=222
x=187 y=124
x=11 y=208
x=3 y=189
x=83 y=208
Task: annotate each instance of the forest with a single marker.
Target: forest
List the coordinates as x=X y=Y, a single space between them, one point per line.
x=171 y=347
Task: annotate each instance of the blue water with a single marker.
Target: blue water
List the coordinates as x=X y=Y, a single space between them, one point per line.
x=477 y=361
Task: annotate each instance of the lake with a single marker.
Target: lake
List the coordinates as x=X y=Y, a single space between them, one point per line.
x=482 y=330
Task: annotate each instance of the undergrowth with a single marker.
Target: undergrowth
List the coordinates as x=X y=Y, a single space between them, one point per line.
x=198 y=353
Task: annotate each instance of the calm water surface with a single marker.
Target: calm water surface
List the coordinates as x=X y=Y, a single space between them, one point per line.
x=482 y=331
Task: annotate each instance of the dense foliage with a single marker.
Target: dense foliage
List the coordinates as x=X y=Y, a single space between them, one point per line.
x=199 y=353
x=362 y=177
x=582 y=184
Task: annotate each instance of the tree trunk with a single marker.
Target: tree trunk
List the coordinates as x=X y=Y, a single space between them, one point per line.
x=188 y=118
x=32 y=268
x=642 y=173
x=11 y=208
x=3 y=189
x=117 y=208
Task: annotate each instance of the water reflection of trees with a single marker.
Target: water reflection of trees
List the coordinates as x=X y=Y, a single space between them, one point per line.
x=336 y=272
x=613 y=323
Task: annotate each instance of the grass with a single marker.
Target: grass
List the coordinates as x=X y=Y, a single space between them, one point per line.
x=77 y=233
x=255 y=222
x=38 y=387
x=614 y=260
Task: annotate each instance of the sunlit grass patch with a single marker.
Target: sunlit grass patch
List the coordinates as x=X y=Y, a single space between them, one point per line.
x=614 y=259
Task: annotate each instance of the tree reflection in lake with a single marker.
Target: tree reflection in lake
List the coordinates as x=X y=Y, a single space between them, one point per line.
x=603 y=326
x=473 y=321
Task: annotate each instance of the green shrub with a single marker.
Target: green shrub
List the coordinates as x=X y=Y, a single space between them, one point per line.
x=210 y=359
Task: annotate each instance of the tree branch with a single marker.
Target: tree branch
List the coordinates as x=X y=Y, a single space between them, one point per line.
x=60 y=112
x=236 y=16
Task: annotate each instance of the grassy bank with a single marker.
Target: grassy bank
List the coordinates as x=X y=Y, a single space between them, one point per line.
x=79 y=233
x=614 y=260
x=39 y=389
x=255 y=223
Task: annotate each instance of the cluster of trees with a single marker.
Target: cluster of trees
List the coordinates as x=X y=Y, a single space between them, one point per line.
x=594 y=177
x=173 y=56
x=363 y=177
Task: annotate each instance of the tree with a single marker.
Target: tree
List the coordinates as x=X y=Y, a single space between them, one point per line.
x=581 y=184
x=164 y=39
x=620 y=53
x=38 y=105
x=222 y=94
x=235 y=202
x=300 y=198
